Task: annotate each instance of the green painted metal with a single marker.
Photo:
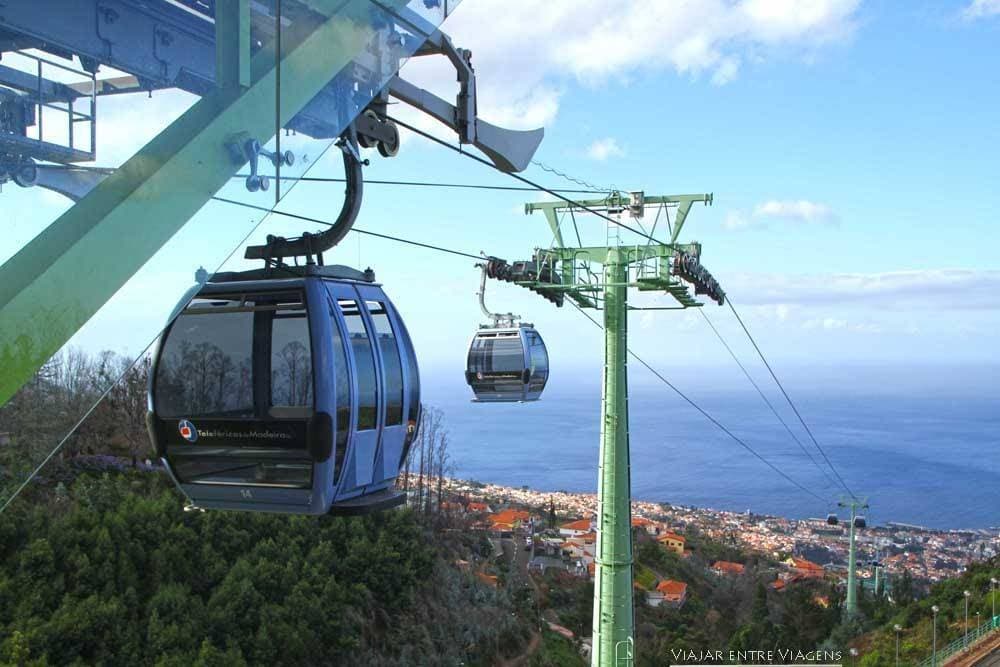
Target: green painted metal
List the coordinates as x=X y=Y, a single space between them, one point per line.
x=852 y=584
x=613 y=619
x=613 y=612
x=232 y=44
x=59 y=280
x=619 y=200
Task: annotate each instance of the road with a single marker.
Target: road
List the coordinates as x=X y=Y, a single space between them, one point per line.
x=992 y=660
x=985 y=653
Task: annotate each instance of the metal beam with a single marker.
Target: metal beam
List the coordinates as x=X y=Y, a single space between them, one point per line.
x=232 y=44
x=59 y=280
x=618 y=200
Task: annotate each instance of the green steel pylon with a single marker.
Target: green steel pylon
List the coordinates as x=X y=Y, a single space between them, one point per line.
x=852 y=585
x=647 y=267
x=613 y=572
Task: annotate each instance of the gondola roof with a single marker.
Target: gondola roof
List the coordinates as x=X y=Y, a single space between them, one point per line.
x=335 y=271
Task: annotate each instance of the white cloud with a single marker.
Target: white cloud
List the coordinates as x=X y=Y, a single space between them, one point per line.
x=726 y=71
x=952 y=289
x=524 y=52
x=736 y=220
x=800 y=211
x=797 y=211
x=978 y=9
x=828 y=323
x=602 y=149
x=792 y=20
x=838 y=324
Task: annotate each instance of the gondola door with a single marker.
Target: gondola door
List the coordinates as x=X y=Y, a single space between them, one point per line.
x=359 y=466
x=388 y=337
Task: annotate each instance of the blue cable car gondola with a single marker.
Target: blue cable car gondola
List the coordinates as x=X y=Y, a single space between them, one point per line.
x=507 y=359
x=507 y=364
x=295 y=392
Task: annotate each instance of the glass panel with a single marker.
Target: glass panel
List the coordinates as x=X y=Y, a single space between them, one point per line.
x=497 y=355
x=230 y=468
x=426 y=14
x=539 y=357
x=391 y=363
x=206 y=367
x=291 y=364
x=413 y=371
x=364 y=361
x=343 y=389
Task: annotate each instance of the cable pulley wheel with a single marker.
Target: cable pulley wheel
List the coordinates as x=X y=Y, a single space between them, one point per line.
x=390 y=148
x=365 y=140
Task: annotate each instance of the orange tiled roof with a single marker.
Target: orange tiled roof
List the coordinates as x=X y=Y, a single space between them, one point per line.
x=478 y=507
x=777 y=584
x=582 y=524
x=638 y=521
x=670 y=536
x=510 y=516
x=803 y=564
x=728 y=567
x=672 y=588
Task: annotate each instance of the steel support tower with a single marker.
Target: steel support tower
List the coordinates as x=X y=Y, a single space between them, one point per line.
x=652 y=266
x=852 y=584
x=613 y=620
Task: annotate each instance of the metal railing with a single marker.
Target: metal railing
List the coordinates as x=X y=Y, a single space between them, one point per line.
x=961 y=643
x=39 y=93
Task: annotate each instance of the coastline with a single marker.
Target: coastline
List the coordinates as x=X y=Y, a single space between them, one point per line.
x=928 y=554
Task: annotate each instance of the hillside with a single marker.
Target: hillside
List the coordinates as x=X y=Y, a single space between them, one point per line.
x=915 y=617
x=110 y=570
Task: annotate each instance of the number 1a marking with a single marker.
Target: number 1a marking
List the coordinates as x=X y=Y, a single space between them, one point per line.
x=246 y=494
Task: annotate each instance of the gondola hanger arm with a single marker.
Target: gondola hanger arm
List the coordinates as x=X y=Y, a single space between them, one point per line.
x=498 y=319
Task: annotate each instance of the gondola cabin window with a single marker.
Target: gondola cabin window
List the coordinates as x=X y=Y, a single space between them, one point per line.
x=291 y=367
x=342 y=384
x=539 y=360
x=207 y=366
x=228 y=363
x=391 y=363
x=364 y=362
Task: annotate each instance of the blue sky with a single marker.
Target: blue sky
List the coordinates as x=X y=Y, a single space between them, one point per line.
x=852 y=148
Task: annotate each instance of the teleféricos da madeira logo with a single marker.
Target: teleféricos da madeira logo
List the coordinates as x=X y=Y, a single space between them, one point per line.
x=187 y=430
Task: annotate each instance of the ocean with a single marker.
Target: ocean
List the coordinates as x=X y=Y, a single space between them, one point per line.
x=925 y=450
